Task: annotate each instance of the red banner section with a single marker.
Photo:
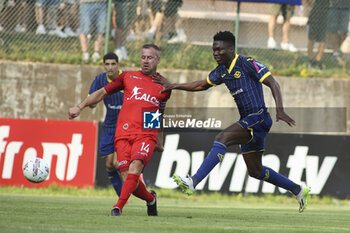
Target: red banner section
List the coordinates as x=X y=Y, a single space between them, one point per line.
x=69 y=148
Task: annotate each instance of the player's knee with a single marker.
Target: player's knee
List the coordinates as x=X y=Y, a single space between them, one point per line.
x=255 y=173
x=124 y=175
x=110 y=166
x=221 y=138
x=136 y=166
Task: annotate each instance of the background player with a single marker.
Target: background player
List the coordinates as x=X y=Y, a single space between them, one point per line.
x=113 y=104
x=125 y=16
x=243 y=77
x=133 y=143
x=316 y=31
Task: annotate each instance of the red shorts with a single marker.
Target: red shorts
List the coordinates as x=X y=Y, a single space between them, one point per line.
x=135 y=147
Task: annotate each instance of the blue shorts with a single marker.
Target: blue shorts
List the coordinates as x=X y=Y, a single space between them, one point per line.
x=93 y=13
x=106 y=144
x=259 y=125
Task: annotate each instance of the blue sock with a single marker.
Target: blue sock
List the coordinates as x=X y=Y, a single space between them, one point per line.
x=269 y=175
x=116 y=181
x=216 y=155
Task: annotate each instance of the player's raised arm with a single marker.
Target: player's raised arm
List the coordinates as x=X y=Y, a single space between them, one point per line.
x=92 y=99
x=199 y=85
x=276 y=93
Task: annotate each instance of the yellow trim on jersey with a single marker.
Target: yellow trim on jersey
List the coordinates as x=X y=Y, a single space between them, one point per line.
x=233 y=63
x=209 y=82
x=120 y=72
x=110 y=80
x=105 y=156
x=265 y=76
x=244 y=153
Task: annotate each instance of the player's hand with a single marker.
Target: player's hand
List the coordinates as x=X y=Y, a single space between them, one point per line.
x=167 y=86
x=74 y=112
x=281 y=115
x=159 y=145
x=159 y=148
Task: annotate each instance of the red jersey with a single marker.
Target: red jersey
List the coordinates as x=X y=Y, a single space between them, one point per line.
x=140 y=94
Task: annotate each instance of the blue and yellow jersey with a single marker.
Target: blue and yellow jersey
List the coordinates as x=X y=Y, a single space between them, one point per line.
x=243 y=79
x=113 y=102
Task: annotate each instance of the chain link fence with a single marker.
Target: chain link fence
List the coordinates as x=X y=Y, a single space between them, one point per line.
x=81 y=31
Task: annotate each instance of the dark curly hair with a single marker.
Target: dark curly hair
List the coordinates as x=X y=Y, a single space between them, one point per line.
x=225 y=36
x=111 y=56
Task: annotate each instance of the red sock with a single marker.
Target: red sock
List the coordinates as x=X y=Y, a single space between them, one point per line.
x=128 y=187
x=142 y=193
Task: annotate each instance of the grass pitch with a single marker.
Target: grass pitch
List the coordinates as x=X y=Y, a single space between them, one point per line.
x=71 y=213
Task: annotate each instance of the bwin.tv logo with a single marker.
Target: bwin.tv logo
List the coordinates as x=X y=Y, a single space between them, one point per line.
x=151 y=120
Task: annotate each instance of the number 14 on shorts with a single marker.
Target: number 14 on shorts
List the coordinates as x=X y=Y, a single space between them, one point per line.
x=144 y=147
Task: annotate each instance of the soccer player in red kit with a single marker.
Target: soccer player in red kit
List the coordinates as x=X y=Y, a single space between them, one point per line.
x=134 y=144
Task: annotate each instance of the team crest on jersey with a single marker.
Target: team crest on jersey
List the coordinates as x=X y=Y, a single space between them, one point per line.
x=126 y=126
x=237 y=74
x=138 y=95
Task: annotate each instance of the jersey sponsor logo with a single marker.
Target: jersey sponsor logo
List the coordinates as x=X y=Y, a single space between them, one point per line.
x=235 y=92
x=258 y=66
x=151 y=120
x=237 y=74
x=118 y=107
x=122 y=162
x=133 y=76
x=135 y=92
x=137 y=95
x=142 y=153
x=223 y=75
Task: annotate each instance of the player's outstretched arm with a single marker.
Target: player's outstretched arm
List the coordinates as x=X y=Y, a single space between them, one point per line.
x=276 y=93
x=92 y=99
x=200 y=85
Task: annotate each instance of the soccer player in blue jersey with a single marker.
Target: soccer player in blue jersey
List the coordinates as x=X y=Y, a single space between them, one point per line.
x=113 y=104
x=243 y=76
